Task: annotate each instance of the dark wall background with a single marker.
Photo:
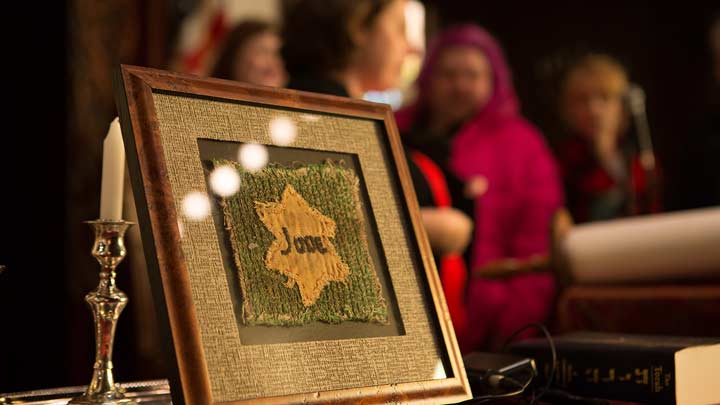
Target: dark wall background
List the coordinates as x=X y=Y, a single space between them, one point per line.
x=32 y=199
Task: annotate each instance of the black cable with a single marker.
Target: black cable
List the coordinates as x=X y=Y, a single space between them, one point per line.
x=546 y=390
x=553 y=351
x=521 y=388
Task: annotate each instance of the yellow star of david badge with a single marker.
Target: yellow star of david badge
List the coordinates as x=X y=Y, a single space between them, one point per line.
x=302 y=249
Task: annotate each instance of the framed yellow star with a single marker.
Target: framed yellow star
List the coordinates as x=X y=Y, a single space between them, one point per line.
x=302 y=249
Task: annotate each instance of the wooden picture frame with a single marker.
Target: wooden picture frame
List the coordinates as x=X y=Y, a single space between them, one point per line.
x=168 y=121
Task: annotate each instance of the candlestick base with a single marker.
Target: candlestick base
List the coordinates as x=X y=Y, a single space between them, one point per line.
x=83 y=400
x=106 y=303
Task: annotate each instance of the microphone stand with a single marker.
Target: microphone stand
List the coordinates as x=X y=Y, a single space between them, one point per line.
x=636 y=103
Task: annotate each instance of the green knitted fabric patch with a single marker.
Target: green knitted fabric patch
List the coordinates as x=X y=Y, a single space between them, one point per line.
x=299 y=245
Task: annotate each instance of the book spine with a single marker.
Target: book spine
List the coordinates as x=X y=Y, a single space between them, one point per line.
x=626 y=374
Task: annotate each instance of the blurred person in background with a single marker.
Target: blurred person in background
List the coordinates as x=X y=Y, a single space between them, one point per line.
x=344 y=48
x=348 y=48
x=467 y=136
x=251 y=54
x=598 y=152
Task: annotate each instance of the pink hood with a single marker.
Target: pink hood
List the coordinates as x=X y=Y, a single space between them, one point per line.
x=512 y=218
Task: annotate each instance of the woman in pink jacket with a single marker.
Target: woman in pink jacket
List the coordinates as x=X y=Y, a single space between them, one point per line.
x=496 y=168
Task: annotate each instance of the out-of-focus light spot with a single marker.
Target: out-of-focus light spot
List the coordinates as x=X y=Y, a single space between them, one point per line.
x=283 y=131
x=415 y=25
x=393 y=97
x=253 y=157
x=439 y=373
x=225 y=181
x=196 y=206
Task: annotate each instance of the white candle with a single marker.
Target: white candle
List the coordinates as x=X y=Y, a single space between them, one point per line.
x=113 y=171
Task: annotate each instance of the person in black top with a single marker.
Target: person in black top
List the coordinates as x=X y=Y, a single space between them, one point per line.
x=344 y=48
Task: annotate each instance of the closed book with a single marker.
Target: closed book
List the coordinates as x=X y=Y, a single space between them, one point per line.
x=639 y=368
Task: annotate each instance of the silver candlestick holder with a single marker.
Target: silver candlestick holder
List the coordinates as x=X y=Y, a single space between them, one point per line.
x=106 y=303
